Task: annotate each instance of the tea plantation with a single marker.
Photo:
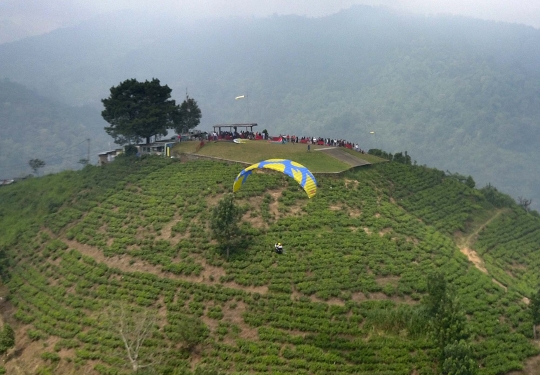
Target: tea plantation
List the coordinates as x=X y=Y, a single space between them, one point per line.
x=91 y=257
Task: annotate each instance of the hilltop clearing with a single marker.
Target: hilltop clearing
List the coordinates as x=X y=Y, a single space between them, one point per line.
x=317 y=160
x=346 y=297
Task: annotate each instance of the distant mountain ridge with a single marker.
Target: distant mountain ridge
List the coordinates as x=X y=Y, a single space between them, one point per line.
x=32 y=126
x=457 y=93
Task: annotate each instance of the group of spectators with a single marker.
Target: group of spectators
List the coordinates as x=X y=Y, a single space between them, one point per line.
x=243 y=134
x=227 y=135
x=323 y=142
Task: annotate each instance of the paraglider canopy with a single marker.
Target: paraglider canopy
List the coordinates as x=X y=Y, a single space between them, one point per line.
x=301 y=174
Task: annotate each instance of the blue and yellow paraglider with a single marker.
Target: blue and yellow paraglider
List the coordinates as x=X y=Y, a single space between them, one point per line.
x=301 y=174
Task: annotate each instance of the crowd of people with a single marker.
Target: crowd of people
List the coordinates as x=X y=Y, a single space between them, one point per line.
x=243 y=134
x=323 y=142
x=227 y=135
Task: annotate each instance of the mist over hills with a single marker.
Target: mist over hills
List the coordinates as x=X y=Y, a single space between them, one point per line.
x=457 y=93
x=32 y=126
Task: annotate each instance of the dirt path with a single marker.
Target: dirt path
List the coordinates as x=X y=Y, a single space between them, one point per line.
x=126 y=263
x=465 y=245
x=474 y=234
x=530 y=367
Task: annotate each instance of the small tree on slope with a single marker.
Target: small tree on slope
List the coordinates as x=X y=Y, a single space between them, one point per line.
x=448 y=326
x=224 y=223
x=534 y=307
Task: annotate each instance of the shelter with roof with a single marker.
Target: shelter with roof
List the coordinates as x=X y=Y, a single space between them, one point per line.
x=233 y=128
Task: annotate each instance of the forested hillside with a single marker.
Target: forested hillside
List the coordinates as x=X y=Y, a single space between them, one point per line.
x=460 y=94
x=32 y=126
x=131 y=243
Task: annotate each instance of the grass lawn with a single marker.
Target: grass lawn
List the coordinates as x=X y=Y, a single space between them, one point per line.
x=255 y=151
x=369 y=158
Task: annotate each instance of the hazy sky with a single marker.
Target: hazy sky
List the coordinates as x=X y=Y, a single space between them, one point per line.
x=22 y=18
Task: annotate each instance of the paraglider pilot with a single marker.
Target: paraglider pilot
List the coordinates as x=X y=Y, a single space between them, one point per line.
x=279 y=248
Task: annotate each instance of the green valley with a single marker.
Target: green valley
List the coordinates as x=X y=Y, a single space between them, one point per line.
x=113 y=269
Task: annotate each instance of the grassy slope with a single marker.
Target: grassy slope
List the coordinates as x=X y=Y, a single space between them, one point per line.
x=255 y=151
x=355 y=255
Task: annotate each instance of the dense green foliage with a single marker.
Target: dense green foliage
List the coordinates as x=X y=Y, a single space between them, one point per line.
x=535 y=311
x=190 y=116
x=448 y=326
x=343 y=299
x=225 y=221
x=459 y=360
x=7 y=338
x=399 y=157
x=139 y=110
x=509 y=245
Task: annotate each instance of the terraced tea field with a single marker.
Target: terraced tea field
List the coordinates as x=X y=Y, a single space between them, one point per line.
x=341 y=300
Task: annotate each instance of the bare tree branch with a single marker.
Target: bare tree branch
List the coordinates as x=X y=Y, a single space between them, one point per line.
x=525 y=203
x=134 y=328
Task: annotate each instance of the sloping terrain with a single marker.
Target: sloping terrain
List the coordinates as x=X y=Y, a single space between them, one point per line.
x=462 y=93
x=344 y=157
x=32 y=126
x=134 y=237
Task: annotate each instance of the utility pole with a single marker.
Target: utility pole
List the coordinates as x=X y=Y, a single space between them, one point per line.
x=88 y=151
x=247 y=101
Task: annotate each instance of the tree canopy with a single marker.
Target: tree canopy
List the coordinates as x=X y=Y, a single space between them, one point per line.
x=449 y=328
x=139 y=110
x=36 y=164
x=190 y=115
x=224 y=222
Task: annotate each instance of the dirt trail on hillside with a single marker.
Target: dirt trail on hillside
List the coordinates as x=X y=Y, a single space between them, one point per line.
x=530 y=367
x=465 y=245
x=126 y=263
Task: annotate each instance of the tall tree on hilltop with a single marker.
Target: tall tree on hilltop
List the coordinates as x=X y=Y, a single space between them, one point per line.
x=139 y=110
x=190 y=115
